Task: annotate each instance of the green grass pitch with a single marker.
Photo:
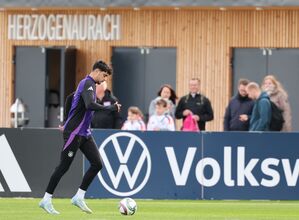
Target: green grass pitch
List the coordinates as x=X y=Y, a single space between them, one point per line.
x=106 y=209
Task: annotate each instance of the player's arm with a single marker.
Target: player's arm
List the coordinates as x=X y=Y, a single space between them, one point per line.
x=88 y=98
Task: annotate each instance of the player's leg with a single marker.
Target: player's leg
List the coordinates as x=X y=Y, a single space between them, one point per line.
x=67 y=156
x=90 y=151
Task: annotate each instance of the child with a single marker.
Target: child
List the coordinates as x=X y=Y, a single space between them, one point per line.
x=134 y=120
x=161 y=120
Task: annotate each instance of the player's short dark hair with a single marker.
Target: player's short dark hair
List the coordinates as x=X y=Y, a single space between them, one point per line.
x=102 y=66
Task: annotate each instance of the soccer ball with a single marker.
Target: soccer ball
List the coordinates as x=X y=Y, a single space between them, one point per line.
x=127 y=206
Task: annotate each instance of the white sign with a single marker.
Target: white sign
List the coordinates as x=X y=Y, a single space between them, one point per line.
x=63 y=27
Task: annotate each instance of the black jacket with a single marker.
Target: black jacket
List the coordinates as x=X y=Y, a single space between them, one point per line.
x=237 y=106
x=199 y=105
x=107 y=119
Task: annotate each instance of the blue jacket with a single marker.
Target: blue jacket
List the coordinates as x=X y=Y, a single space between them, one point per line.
x=238 y=105
x=261 y=114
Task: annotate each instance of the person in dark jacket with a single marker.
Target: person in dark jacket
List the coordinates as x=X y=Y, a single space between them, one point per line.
x=261 y=113
x=238 y=111
x=196 y=104
x=106 y=119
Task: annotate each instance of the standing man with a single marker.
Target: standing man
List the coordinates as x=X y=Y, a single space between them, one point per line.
x=76 y=134
x=261 y=113
x=238 y=111
x=196 y=104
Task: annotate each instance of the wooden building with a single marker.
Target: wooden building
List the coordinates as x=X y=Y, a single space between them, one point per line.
x=204 y=38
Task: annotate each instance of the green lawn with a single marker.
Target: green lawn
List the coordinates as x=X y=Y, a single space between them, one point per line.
x=106 y=209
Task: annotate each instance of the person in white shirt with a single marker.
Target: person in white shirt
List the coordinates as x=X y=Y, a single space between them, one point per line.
x=161 y=120
x=134 y=120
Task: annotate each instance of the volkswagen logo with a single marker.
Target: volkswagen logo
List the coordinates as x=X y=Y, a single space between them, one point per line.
x=122 y=154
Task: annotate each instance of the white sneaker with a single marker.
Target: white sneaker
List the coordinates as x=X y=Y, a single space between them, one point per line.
x=48 y=207
x=80 y=203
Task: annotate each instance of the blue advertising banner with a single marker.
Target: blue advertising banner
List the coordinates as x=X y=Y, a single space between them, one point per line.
x=191 y=165
x=251 y=165
x=154 y=165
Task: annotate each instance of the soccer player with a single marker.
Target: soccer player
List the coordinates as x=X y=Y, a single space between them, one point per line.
x=76 y=134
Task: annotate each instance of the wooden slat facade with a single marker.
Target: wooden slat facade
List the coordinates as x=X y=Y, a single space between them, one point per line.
x=204 y=40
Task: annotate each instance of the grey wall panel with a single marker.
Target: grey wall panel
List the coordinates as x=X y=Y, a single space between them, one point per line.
x=30 y=84
x=248 y=63
x=160 y=69
x=139 y=74
x=128 y=77
x=118 y=3
x=37 y=152
x=284 y=64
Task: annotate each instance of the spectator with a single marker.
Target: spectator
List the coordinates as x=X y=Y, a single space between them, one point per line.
x=279 y=97
x=195 y=103
x=239 y=109
x=106 y=119
x=161 y=120
x=261 y=113
x=134 y=120
x=166 y=92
